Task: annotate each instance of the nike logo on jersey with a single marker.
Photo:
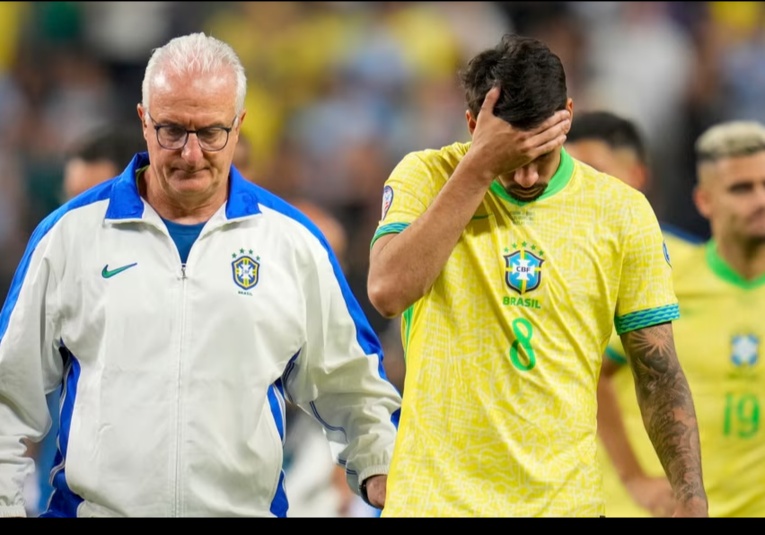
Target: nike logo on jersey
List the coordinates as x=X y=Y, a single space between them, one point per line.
x=107 y=273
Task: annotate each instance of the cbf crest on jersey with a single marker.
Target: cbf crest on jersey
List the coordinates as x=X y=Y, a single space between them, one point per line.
x=745 y=350
x=523 y=268
x=245 y=269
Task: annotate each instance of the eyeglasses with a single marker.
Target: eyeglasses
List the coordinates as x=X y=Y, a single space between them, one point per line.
x=175 y=137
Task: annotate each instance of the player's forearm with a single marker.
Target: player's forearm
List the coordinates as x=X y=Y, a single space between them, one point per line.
x=404 y=267
x=613 y=434
x=667 y=407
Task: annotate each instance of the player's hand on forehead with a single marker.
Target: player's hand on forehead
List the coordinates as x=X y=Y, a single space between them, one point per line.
x=503 y=148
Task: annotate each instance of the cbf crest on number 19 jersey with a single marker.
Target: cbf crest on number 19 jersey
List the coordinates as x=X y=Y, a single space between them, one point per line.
x=503 y=352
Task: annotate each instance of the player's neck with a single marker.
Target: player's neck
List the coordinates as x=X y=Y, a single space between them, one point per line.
x=747 y=259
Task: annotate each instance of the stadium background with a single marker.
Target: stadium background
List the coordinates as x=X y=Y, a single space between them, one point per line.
x=339 y=91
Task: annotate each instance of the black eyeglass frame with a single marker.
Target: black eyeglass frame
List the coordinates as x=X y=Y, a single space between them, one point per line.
x=159 y=126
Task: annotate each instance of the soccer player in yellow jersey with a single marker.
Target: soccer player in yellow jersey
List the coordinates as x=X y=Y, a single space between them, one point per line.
x=614 y=145
x=721 y=292
x=509 y=262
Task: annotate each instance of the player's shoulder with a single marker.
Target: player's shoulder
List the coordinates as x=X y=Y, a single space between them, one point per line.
x=430 y=165
x=446 y=155
x=607 y=190
x=604 y=182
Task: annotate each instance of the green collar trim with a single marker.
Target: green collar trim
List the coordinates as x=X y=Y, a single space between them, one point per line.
x=722 y=269
x=558 y=181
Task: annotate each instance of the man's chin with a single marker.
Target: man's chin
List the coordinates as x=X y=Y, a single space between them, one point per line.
x=526 y=195
x=190 y=181
x=190 y=187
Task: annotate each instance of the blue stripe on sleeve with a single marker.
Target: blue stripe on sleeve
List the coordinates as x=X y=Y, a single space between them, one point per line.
x=646 y=318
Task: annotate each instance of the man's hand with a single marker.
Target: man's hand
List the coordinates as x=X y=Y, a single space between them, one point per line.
x=499 y=148
x=376 y=488
x=653 y=493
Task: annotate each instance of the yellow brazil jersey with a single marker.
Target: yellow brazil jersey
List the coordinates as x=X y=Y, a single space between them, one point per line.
x=718 y=340
x=504 y=350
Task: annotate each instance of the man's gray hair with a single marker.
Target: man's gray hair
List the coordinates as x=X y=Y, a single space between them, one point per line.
x=730 y=139
x=194 y=53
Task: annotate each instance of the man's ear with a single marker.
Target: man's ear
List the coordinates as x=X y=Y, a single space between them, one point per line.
x=471 y=121
x=142 y=116
x=570 y=108
x=703 y=201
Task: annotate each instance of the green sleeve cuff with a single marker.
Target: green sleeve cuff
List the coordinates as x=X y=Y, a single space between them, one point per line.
x=392 y=228
x=646 y=318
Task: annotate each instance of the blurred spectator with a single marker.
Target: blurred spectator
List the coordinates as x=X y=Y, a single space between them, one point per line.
x=12 y=20
x=641 y=62
x=101 y=155
x=120 y=36
x=12 y=210
x=728 y=84
x=244 y=159
x=476 y=25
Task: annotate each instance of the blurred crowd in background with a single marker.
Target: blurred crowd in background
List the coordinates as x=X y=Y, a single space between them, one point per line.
x=338 y=92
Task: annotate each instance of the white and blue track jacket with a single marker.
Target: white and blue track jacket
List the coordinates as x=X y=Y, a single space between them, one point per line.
x=174 y=378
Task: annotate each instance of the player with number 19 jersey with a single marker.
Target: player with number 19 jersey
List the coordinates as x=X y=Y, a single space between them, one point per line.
x=504 y=350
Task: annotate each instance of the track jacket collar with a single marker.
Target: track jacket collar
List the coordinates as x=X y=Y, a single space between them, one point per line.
x=126 y=203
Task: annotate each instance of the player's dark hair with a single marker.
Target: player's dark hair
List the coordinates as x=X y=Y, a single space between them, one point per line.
x=111 y=143
x=532 y=79
x=617 y=132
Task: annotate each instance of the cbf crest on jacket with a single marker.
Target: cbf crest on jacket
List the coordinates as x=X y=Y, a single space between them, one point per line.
x=174 y=377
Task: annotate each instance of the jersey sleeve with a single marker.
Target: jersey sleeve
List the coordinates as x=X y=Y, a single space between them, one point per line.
x=646 y=293
x=29 y=367
x=407 y=193
x=338 y=377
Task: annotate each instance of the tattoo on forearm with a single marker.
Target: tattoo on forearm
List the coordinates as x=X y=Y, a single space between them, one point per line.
x=667 y=407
